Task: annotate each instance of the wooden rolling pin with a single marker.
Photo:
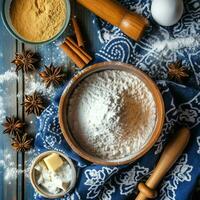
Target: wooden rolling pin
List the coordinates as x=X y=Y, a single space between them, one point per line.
x=129 y=22
x=171 y=153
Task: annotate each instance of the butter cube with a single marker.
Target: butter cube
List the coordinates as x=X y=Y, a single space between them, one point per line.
x=53 y=162
x=43 y=165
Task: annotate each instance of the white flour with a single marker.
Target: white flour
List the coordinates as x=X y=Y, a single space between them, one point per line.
x=112 y=113
x=176 y=44
x=2 y=110
x=34 y=85
x=5 y=78
x=8 y=166
x=8 y=75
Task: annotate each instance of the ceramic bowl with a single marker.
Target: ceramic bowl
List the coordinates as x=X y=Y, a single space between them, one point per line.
x=11 y=29
x=64 y=102
x=41 y=191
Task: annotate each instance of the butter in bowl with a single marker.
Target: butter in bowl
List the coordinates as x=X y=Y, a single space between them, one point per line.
x=52 y=174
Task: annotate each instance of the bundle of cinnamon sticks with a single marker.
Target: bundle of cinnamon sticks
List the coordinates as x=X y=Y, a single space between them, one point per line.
x=76 y=50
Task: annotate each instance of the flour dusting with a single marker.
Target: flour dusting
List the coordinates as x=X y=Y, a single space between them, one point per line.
x=39 y=87
x=8 y=166
x=2 y=110
x=112 y=113
x=8 y=75
x=176 y=44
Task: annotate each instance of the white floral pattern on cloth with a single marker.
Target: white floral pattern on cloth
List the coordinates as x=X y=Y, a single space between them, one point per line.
x=120 y=49
x=198 y=143
x=96 y=179
x=74 y=196
x=189 y=112
x=186 y=114
x=52 y=130
x=181 y=173
x=181 y=104
x=171 y=118
x=128 y=180
x=143 y=54
x=107 y=190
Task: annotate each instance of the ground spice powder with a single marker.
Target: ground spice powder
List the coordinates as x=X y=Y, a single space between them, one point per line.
x=38 y=20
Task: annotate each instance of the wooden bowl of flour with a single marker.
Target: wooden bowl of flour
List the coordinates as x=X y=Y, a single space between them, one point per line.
x=76 y=141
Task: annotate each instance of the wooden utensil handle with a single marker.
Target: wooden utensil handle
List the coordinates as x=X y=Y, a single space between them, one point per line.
x=129 y=22
x=171 y=153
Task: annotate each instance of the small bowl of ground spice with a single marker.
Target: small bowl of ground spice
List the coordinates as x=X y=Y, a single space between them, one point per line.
x=36 y=21
x=111 y=113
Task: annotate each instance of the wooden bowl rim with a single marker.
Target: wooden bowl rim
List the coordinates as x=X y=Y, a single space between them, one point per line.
x=102 y=67
x=37 y=187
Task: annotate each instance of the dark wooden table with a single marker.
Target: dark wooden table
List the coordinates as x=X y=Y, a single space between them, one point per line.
x=12 y=93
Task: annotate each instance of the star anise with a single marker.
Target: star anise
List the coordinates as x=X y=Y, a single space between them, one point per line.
x=34 y=104
x=52 y=75
x=25 y=60
x=12 y=126
x=21 y=143
x=177 y=71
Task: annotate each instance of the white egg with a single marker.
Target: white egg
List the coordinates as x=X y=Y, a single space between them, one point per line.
x=167 y=12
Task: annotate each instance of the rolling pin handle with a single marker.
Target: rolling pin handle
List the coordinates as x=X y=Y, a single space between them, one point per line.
x=129 y=22
x=147 y=191
x=133 y=25
x=171 y=153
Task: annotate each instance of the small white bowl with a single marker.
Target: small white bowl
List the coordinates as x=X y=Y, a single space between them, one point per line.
x=41 y=191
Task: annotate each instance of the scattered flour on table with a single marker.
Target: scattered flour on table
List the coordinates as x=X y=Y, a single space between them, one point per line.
x=5 y=77
x=2 y=110
x=176 y=44
x=112 y=113
x=8 y=75
x=33 y=85
x=9 y=169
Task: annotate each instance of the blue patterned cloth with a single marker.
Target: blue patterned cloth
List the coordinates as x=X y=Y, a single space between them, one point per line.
x=182 y=103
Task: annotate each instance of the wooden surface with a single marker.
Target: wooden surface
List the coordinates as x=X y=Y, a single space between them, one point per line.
x=12 y=93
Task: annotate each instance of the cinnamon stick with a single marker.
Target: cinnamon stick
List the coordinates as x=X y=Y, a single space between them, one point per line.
x=79 y=48
x=75 y=58
x=76 y=51
x=77 y=31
